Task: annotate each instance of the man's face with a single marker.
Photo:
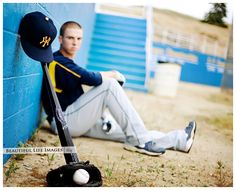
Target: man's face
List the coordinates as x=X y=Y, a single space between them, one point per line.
x=71 y=41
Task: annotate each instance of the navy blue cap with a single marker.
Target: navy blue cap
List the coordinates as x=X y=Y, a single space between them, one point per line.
x=37 y=33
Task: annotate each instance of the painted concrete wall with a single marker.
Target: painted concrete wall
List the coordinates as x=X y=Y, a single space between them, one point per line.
x=22 y=76
x=197 y=67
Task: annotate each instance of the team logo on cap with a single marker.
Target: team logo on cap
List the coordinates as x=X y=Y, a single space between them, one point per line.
x=45 y=41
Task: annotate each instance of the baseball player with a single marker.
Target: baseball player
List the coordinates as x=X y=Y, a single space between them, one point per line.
x=85 y=112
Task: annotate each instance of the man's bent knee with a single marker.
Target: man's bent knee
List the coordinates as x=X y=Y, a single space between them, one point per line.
x=110 y=82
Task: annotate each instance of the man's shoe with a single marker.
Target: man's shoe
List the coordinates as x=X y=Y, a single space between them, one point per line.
x=53 y=127
x=148 y=148
x=108 y=123
x=190 y=131
x=107 y=127
x=50 y=126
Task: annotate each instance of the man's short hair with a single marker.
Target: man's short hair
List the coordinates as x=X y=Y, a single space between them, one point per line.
x=69 y=24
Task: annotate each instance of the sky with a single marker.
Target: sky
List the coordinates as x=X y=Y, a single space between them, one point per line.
x=193 y=8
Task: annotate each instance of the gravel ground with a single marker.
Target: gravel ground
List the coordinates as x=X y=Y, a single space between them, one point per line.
x=209 y=163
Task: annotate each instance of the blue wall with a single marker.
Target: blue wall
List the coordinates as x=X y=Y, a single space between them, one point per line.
x=22 y=76
x=197 y=67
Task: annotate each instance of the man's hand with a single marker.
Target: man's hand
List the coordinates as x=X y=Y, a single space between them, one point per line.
x=114 y=74
x=120 y=78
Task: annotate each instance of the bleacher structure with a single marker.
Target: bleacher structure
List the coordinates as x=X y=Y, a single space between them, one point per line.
x=119 y=43
x=132 y=40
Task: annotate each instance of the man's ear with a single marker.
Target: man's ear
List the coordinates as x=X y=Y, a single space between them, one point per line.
x=60 y=39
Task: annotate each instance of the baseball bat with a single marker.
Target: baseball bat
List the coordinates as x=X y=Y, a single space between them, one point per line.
x=63 y=131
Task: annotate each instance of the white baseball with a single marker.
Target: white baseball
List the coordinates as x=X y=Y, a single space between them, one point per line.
x=81 y=177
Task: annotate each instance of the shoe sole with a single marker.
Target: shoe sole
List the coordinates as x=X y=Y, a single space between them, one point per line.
x=142 y=151
x=192 y=137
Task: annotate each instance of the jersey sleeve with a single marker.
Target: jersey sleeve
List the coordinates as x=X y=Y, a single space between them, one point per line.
x=71 y=75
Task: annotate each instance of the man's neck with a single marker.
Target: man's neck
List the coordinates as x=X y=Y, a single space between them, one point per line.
x=65 y=54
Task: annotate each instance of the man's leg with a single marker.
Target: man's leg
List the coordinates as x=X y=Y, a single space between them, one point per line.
x=181 y=140
x=82 y=115
x=175 y=140
x=107 y=128
x=172 y=140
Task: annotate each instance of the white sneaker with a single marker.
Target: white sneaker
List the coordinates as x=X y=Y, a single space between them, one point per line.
x=190 y=131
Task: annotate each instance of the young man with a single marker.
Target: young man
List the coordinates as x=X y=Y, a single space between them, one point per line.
x=84 y=112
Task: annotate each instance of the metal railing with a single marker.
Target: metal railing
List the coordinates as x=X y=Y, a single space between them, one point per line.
x=199 y=43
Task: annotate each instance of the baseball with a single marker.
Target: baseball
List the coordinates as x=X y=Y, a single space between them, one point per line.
x=81 y=177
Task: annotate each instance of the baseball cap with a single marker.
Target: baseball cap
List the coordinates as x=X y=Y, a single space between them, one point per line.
x=37 y=33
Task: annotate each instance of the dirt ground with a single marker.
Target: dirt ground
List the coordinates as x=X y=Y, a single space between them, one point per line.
x=209 y=163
